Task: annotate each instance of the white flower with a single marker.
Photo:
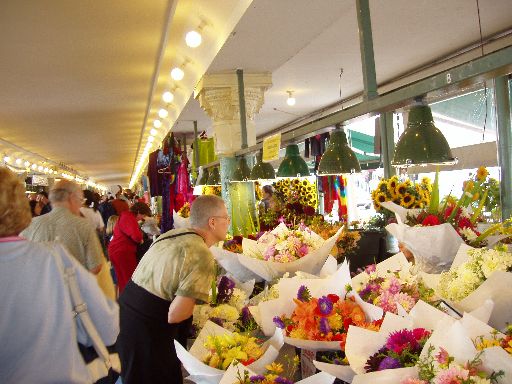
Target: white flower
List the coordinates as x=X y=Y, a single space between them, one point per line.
x=468 y=234
x=238 y=299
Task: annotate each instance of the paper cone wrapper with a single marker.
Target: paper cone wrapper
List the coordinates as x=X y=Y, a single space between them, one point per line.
x=342 y=372
x=231 y=263
x=234 y=371
x=192 y=360
x=180 y=222
x=495 y=359
x=264 y=312
x=434 y=247
x=388 y=376
x=269 y=270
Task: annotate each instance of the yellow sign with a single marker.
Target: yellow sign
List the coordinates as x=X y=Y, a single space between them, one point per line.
x=271 y=146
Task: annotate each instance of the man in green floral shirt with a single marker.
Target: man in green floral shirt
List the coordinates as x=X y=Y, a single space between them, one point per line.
x=159 y=300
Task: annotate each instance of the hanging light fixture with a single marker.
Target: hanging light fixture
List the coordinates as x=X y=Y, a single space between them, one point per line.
x=293 y=165
x=214 y=178
x=177 y=73
x=338 y=158
x=163 y=113
x=261 y=170
x=203 y=180
x=168 y=97
x=422 y=142
x=241 y=172
x=291 y=99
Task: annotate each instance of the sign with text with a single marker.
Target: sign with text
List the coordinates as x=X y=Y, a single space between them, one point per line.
x=271 y=146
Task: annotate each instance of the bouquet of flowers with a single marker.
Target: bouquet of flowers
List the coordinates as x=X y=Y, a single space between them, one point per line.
x=496 y=340
x=347 y=242
x=441 y=369
x=224 y=305
x=215 y=348
x=390 y=292
x=403 y=193
x=238 y=374
x=277 y=252
x=459 y=282
x=402 y=349
x=181 y=218
x=324 y=319
x=185 y=210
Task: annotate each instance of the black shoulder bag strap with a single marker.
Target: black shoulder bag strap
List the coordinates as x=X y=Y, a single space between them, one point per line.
x=174 y=236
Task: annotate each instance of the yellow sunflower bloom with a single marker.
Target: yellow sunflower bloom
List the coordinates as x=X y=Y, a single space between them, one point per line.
x=377 y=206
x=392 y=183
x=381 y=197
x=481 y=173
x=408 y=200
x=383 y=186
x=426 y=181
x=401 y=189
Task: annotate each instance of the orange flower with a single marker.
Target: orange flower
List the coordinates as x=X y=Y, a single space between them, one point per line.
x=304 y=314
x=357 y=315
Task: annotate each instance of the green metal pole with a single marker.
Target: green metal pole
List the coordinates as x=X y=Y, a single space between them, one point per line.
x=366 y=46
x=241 y=103
x=387 y=142
x=196 y=148
x=504 y=144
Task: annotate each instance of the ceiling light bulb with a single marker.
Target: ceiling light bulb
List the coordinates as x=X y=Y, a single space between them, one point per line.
x=163 y=113
x=34 y=166
x=18 y=161
x=153 y=132
x=291 y=100
x=27 y=164
x=40 y=168
x=168 y=97
x=45 y=170
x=157 y=123
x=193 y=39
x=7 y=159
x=177 y=73
x=150 y=139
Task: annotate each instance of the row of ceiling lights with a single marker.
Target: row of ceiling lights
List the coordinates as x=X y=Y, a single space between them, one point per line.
x=193 y=39
x=50 y=170
x=421 y=143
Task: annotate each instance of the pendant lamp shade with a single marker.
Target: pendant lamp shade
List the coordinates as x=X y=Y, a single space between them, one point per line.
x=261 y=170
x=293 y=165
x=241 y=172
x=338 y=158
x=214 y=178
x=422 y=143
x=203 y=180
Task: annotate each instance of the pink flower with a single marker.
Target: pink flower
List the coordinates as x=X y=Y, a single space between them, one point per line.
x=394 y=285
x=269 y=253
x=406 y=301
x=400 y=340
x=303 y=250
x=370 y=268
x=453 y=375
x=443 y=357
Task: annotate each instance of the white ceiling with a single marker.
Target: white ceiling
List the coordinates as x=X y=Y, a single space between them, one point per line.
x=77 y=77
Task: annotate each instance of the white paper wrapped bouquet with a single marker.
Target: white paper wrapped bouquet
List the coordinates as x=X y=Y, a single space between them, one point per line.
x=277 y=252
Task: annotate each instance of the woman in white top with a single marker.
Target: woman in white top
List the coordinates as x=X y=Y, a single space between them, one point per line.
x=38 y=331
x=90 y=211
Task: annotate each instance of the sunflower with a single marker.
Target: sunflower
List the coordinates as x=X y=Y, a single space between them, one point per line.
x=426 y=181
x=383 y=186
x=305 y=183
x=401 y=189
x=286 y=182
x=309 y=188
x=481 y=174
x=392 y=183
x=295 y=182
x=285 y=190
x=381 y=197
x=377 y=206
x=408 y=200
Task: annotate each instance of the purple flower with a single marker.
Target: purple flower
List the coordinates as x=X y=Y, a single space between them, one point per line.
x=324 y=326
x=337 y=361
x=225 y=289
x=303 y=294
x=278 y=322
x=217 y=320
x=370 y=268
x=282 y=380
x=257 y=378
x=246 y=315
x=389 y=363
x=324 y=305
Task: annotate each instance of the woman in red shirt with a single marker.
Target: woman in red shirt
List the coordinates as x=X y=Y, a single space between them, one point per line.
x=122 y=249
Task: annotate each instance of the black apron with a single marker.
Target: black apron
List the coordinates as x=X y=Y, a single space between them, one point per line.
x=145 y=342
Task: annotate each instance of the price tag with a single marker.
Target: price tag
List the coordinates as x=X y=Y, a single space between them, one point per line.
x=271 y=146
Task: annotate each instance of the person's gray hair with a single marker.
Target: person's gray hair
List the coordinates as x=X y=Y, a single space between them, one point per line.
x=62 y=189
x=204 y=207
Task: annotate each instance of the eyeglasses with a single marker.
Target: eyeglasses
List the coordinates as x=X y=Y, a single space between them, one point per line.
x=227 y=218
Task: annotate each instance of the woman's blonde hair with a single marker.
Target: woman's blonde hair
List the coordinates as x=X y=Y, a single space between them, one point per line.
x=111 y=223
x=15 y=213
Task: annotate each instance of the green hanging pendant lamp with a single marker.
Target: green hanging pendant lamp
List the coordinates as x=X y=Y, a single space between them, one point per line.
x=214 y=178
x=422 y=142
x=241 y=172
x=203 y=180
x=261 y=170
x=338 y=158
x=293 y=165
